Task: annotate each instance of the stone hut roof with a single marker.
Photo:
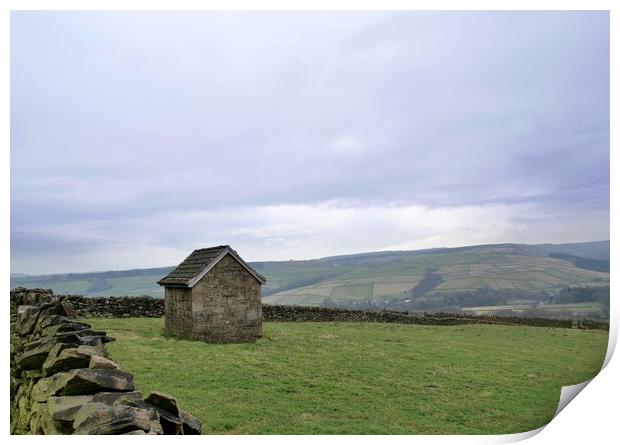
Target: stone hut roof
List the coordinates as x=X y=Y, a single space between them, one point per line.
x=199 y=263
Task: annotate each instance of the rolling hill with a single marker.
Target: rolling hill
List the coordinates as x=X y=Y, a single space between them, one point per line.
x=385 y=275
x=379 y=276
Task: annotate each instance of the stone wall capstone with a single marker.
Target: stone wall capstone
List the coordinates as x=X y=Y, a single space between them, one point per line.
x=63 y=380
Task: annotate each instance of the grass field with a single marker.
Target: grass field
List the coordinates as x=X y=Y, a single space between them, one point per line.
x=363 y=378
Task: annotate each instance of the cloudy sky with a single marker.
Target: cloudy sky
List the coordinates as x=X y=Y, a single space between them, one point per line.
x=137 y=137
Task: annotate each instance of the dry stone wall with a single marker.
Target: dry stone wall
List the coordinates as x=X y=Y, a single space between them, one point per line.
x=305 y=313
x=95 y=307
x=308 y=313
x=137 y=307
x=117 y=307
x=64 y=382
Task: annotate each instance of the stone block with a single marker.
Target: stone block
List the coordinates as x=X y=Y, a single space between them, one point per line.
x=53 y=319
x=65 y=408
x=68 y=338
x=27 y=320
x=67 y=327
x=68 y=359
x=163 y=401
x=168 y=409
x=99 y=362
x=98 y=418
x=191 y=425
x=23 y=308
x=35 y=357
x=83 y=382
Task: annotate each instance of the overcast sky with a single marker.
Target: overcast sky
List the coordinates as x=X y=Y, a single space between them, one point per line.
x=137 y=137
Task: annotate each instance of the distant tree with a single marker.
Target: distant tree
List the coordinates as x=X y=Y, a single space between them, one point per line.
x=586 y=294
x=431 y=279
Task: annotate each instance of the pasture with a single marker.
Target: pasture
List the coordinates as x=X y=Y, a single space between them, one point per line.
x=363 y=378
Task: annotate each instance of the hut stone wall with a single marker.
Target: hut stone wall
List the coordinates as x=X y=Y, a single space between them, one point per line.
x=179 y=311
x=226 y=304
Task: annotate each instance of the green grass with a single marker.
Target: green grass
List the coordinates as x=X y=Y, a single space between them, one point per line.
x=363 y=378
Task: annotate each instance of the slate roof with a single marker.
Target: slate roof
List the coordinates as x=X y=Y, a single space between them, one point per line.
x=198 y=263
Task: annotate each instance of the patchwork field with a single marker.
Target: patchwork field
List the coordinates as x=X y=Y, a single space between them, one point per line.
x=363 y=378
x=397 y=276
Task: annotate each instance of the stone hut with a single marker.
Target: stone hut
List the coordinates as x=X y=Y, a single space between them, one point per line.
x=214 y=296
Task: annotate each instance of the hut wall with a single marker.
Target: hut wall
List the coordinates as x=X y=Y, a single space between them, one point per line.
x=178 y=319
x=226 y=304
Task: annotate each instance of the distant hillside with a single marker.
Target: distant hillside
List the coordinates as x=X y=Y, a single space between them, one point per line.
x=406 y=275
x=123 y=282
x=380 y=276
x=584 y=263
x=597 y=250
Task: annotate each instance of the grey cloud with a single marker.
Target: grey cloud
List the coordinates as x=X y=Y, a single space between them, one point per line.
x=123 y=115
